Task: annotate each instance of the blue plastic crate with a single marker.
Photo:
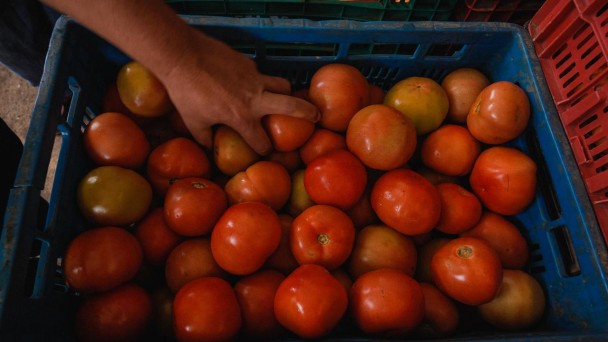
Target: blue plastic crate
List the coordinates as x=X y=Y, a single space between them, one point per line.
x=568 y=254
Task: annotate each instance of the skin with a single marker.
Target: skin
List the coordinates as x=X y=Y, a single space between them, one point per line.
x=185 y=59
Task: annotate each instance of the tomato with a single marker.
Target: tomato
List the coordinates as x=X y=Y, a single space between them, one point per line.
x=156 y=238
x=113 y=196
x=245 y=236
x=339 y=91
x=162 y=313
x=290 y=160
x=322 y=235
x=113 y=103
x=231 y=153
x=206 y=309
x=310 y=301
x=264 y=181
x=381 y=137
x=378 y=246
x=255 y=294
x=189 y=260
x=460 y=209
x=336 y=178
x=121 y=314
x=114 y=139
x=175 y=159
x=193 y=206
x=282 y=259
x=320 y=142
x=101 y=258
x=362 y=212
x=342 y=276
x=468 y=270
x=141 y=91
x=441 y=316
x=386 y=302
x=504 y=179
x=450 y=150
x=376 y=94
x=504 y=237
x=406 y=201
x=462 y=86
x=422 y=100
x=298 y=199
x=287 y=133
x=519 y=304
x=426 y=251
x=500 y=113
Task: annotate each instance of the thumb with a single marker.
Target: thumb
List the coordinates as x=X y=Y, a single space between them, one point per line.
x=204 y=136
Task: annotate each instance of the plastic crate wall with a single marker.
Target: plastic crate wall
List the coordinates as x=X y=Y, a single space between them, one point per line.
x=511 y=11
x=571 y=40
x=568 y=254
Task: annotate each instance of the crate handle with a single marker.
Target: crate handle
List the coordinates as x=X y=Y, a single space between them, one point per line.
x=579 y=151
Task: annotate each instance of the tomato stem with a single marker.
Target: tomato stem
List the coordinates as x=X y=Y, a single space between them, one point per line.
x=323 y=239
x=465 y=252
x=199 y=185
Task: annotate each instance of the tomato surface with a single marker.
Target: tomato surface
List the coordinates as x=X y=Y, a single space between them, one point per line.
x=462 y=86
x=441 y=316
x=460 y=209
x=287 y=133
x=231 y=153
x=264 y=181
x=157 y=240
x=320 y=142
x=141 y=91
x=282 y=259
x=450 y=150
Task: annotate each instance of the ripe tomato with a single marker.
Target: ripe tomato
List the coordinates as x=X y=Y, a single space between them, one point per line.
x=231 y=153
x=113 y=196
x=376 y=94
x=450 y=150
x=504 y=237
x=256 y=298
x=362 y=212
x=322 y=235
x=462 y=86
x=114 y=139
x=282 y=259
x=189 y=260
x=264 y=181
x=335 y=178
x=519 y=304
x=381 y=137
x=206 y=309
x=245 y=236
x=141 y=91
x=290 y=160
x=339 y=91
x=175 y=159
x=406 y=201
x=460 y=209
x=504 y=179
x=157 y=240
x=378 y=246
x=422 y=100
x=287 y=133
x=193 y=206
x=310 y=301
x=468 y=270
x=320 y=142
x=441 y=316
x=101 y=258
x=499 y=114
x=343 y=278
x=121 y=314
x=386 y=302
x=426 y=251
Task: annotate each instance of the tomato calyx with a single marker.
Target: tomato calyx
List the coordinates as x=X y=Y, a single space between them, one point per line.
x=464 y=252
x=199 y=185
x=323 y=239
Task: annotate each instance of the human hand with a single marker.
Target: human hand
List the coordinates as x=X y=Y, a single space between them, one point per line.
x=213 y=83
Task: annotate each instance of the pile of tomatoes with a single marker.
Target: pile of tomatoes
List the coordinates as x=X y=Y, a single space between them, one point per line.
x=390 y=217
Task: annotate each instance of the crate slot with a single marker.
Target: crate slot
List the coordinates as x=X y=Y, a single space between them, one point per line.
x=547 y=191
x=568 y=256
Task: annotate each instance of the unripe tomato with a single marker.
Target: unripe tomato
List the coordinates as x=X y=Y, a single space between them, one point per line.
x=141 y=91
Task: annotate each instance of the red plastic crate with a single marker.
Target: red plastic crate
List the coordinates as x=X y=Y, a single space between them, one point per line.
x=512 y=11
x=571 y=41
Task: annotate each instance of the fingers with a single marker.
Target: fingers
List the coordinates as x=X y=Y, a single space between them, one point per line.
x=204 y=136
x=271 y=103
x=255 y=135
x=276 y=84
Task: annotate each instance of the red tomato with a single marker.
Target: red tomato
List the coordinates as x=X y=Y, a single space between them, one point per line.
x=282 y=259
x=231 y=153
x=504 y=179
x=339 y=91
x=460 y=209
x=290 y=160
x=504 y=237
x=441 y=316
x=193 y=206
x=343 y=278
x=406 y=201
x=310 y=301
x=376 y=94
x=245 y=236
x=468 y=270
x=175 y=159
x=287 y=133
x=114 y=139
x=336 y=178
x=264 y=181
x=378 y=246
x=426 y=251
x=386 y=302
x=189 y=260
x=322 y=235
x=100 y=259
x=321 y=142
x=206 y=309
x=156 y=238
x=450 y=150
x=462 y=86
x=381 y=137
x=121 y=314
x=256 y=297
x=362 y=212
